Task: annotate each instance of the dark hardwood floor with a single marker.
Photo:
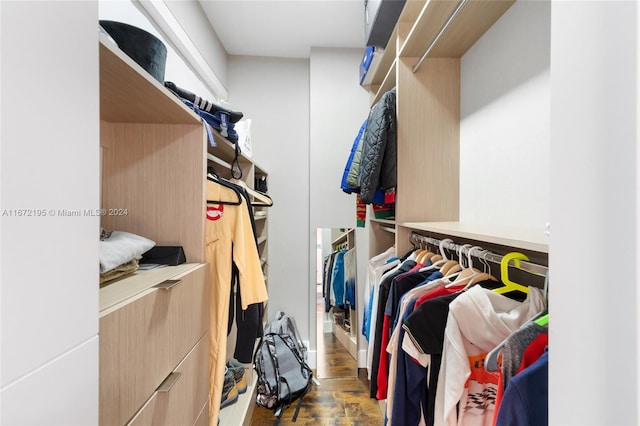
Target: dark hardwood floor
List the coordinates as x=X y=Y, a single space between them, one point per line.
x=337 y=401
x=341 y=398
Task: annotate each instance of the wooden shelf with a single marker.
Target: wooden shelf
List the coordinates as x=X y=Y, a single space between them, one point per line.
x=347 y=339
x=383 y=221
x=128 y=94
x=473 y=20
x=137 y=284
x=225 y=150
x=522 y=238
x=387 y=84
x=342 y=238
x=239 y=413
x=380 y=68
x=262 y=240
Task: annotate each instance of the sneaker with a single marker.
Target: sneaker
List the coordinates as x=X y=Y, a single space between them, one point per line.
x=229 y=389
x=238 y=374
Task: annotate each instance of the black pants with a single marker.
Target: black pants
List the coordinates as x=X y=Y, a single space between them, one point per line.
x=248 y=321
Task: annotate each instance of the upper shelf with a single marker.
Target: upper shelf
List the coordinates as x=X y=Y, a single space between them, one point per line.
x=523 y=238
x=470 y=23
x=343 y=238
x=128 y=94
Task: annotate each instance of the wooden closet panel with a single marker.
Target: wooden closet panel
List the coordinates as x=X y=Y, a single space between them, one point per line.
x=183 y=403
x=143 y=341
x=379 y=239
x=471 y=22
x=429 y=21
x=157 y=173
x=474 y=19
x=428 y=116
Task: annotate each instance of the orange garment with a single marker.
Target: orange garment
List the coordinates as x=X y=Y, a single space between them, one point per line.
x=229 y=237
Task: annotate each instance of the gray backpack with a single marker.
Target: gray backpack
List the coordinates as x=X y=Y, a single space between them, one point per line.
x=281 y=366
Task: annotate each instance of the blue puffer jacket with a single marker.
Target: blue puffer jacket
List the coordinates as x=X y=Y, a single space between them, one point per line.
x=378 y=162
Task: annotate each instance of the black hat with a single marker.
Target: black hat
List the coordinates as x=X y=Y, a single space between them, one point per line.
x=144 y=48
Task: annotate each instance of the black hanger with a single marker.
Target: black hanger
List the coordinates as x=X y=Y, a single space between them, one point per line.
x=213 y=177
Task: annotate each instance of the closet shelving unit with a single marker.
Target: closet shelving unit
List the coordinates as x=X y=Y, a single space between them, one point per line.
x=154 y=351
x=347 y=337
x=151 y=146
x=423 y=63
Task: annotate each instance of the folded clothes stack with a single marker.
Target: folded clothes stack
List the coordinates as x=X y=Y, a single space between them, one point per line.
x=119 y=253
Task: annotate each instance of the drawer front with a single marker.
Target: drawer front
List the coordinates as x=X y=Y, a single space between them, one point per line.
x=182 y=403
x=203 y=418
x=143 y=341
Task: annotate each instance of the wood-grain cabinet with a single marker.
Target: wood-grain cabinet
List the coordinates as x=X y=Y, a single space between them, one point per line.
x=422 y=60
x=154 y=325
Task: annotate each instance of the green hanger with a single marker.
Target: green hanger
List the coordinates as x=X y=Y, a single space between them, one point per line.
x=543 y=320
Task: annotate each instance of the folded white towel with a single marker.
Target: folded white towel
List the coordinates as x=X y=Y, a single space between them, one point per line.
x=122 y=247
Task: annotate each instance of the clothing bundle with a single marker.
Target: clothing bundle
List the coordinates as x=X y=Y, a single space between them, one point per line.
x=119 y=253
x=430 y=335
x=220 y=118
x=371 y=167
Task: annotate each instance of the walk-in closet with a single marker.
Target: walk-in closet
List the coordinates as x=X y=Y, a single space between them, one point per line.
x=391 y=212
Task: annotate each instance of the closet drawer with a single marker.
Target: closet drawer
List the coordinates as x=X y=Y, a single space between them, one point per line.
x=182 y=403
x=203 y=418
x=143 y=340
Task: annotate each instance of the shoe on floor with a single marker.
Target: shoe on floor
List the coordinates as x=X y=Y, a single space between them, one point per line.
x=238 y=374
x=229 y=389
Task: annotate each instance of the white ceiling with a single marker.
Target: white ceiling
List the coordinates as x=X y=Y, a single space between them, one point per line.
x=285 y=28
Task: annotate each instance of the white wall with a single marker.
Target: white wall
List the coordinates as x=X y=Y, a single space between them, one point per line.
x=593 y=369
x=305 y=115
x=48 y=262
x=504 y=129
x=177 y=70
x=274 y=93
x=338 y=107
x=193 y=19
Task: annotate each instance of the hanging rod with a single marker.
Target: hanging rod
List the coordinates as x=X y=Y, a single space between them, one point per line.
x=442 y=30
x=216 y=160
x=530 y=267
x=388 y=229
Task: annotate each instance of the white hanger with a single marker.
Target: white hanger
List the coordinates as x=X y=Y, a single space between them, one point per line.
x=438 y=263
x=485 y=274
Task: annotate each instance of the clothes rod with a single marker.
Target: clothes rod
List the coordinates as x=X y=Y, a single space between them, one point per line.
x=442 y=30
x=388 y=229
x=218 y=161
x=530 y=267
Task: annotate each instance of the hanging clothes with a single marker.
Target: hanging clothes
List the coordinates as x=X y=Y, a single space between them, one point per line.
x=326 y=280
x=520 y=350
x=526 y=399
x=383 y=294
x=466 y=390
x=376 y=267
x=385 y=272
x=229 y=239
x=396 y=378
x=378 y=162
x=350 y=268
